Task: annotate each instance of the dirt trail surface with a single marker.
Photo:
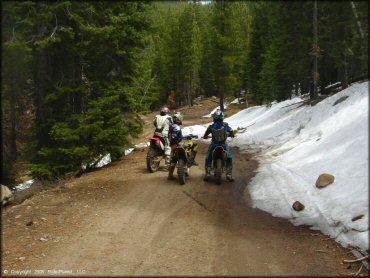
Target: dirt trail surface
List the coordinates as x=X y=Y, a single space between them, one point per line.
x=122 y=220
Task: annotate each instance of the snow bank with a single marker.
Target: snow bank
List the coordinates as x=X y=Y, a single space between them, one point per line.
x=214 y=110
x=236 y=101
x=300 y=142
x=195 y=130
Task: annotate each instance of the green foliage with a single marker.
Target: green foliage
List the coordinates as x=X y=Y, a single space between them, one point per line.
x=92 y=71
x=280 y=42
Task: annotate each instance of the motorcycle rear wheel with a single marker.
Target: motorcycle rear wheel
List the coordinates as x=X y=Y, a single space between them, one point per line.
x=218 y=171
x=151 y=162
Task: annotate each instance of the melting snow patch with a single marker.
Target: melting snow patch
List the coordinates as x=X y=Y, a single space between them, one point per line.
x=128 y=151
x=104 y=161
x=237 y=101
x=24 y=185
x=141 y=146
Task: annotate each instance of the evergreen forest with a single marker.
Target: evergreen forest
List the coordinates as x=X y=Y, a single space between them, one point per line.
x=76 y=75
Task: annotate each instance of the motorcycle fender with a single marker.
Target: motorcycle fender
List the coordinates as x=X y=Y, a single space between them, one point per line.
x=217 y=153
x=224 y=155
x=156 y=144
x=153 y=144
x=181 y=153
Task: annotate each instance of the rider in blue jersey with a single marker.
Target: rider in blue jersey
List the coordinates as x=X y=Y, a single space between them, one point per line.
x=219 y=131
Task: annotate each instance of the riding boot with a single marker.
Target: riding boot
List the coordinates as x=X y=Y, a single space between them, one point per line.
x=195 y=150
x=193 y=162
x=167 y=161
x=208 y=171
x=229 y=169
x=171 y=169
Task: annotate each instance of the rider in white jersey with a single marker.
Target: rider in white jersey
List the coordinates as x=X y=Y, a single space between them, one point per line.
x=162 y=123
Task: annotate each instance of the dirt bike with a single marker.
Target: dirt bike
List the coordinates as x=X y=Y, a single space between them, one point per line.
x=218 y=164
x=219 y=157
x=155 y=153
x=182 y=157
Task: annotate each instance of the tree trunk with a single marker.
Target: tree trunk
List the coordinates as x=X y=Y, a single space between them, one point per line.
x=315 y=51
x=222 y=102
x=13 y=124
x=360 y=30
x=40 y=76
x=185 y=94
x=40 y=93
x=77 y=78
x=189 y=92
x=193 y=87
x=221 y=96
x=343 y=74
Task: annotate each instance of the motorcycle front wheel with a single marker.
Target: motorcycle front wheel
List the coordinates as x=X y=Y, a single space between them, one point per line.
x=181 y=171
x=152 y=160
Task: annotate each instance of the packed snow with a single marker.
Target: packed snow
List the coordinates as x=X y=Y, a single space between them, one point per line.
x=102 y=161
x=237 y=101
x=295 y=143
x=105 y=160
x=24 y=185
x=214 y=110
x=194 y=129
x=128 y=151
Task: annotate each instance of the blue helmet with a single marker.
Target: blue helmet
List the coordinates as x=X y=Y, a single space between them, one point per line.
x=218 y=115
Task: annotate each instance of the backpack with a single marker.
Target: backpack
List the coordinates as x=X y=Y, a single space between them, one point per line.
x=219 y=135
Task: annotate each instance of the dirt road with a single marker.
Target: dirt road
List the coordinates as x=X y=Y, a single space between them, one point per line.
x=122 y=220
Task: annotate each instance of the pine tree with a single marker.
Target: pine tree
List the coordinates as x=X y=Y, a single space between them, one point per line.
x=189 y=53
x=16 y=83
x=89 y=96
x=257 y=44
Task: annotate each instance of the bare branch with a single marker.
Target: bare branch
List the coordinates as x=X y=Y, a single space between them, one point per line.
x=357 y=260
x=32 y=39
x=13 y=38
x=147 y=88
x=361 y=31
x=69 y=13
x=56 y=26
x=358 y=272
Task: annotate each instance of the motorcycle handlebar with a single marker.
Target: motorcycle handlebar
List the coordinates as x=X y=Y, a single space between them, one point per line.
x=228 y=135
x=191 y=136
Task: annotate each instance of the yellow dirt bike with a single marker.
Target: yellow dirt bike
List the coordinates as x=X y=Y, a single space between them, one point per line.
x=182 y=156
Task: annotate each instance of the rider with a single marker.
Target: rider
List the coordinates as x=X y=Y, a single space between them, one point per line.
x=219 y=131
x=162 y=123
x=175 y=135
